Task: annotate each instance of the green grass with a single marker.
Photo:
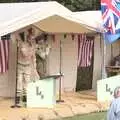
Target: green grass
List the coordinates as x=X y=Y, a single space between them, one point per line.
x=91 y=116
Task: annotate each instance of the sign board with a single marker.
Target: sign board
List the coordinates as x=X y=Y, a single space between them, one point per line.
x=41 y=93
x=105 y=88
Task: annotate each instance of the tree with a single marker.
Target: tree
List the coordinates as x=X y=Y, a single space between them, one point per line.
x=6 y=1
x=80 y=5
x=74 y=5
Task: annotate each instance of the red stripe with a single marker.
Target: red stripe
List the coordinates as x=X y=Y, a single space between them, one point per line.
x=1 y=67
x=80 y=46
x=6 y=52
x=4 y=55
x=8 y=43
x=87 y=51
x=83 y=39
x=83 y=56
x=85 y=46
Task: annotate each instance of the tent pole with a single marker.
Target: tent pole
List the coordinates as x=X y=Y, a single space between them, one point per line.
x=16 y=99
x=60 y=70
x=111 y=51
x=104 y=74
x=101 y=55
x=119 y=47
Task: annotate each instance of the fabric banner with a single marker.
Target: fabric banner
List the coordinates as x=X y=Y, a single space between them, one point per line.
x=4 y=53
x=111 y=19
x=85 y=50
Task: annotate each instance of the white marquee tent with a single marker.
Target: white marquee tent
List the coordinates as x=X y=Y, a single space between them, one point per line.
x=48 y=16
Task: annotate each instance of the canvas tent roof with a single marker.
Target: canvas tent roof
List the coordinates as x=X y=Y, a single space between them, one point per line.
x=90 y=18
x=48 y=16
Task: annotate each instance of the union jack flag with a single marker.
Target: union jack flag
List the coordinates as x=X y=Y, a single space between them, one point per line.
x=111 y=18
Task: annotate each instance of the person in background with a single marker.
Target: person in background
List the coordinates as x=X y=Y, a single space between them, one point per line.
x=114 y=110
x=26 y=64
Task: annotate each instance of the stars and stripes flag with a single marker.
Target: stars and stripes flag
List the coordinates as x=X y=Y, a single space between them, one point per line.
x=4 y=53
x=85 y=50
x=111 y=19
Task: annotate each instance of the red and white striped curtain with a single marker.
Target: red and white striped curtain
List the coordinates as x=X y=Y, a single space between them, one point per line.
x=85 y=48
x=4 y=54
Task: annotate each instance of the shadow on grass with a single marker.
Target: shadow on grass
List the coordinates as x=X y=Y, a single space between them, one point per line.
x=90 y=116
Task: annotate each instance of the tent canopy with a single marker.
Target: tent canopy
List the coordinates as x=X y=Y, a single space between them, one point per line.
x=58 y=24
x=47 y=16
x=90 y=18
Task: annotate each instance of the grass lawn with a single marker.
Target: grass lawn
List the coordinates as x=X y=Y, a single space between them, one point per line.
x=91 y=116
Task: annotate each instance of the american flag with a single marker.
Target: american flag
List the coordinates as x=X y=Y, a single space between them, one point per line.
x=4 y=53
x=85 y=50
x=111 y=18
